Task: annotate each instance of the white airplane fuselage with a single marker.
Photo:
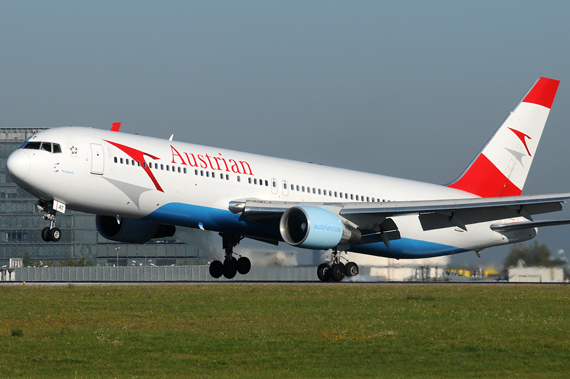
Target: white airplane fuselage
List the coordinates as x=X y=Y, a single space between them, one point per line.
x=175 y=183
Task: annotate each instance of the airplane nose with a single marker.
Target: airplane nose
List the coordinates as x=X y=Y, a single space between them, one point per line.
x=18 y=165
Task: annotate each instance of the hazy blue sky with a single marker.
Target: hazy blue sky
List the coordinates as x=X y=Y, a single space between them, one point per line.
x=404 y=88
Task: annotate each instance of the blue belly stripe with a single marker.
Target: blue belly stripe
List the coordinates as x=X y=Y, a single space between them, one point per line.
x=223 y=220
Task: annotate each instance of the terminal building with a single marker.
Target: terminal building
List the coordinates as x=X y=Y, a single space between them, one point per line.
x=21 y=223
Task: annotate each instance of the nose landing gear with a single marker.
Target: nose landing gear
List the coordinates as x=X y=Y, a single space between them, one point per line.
x=231 y=265
x=338 y=270
x=50 y=233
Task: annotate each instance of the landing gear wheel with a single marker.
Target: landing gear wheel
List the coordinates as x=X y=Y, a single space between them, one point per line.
x=230 y=268
x=324 y=272
x=243 y=265
x=337 y=272
x=45 y=234
x=55 y=234
x=216 y=269
x=351 y=269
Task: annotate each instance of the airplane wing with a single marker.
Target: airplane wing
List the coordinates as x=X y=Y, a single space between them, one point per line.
x=530 y=224
x=433 y=214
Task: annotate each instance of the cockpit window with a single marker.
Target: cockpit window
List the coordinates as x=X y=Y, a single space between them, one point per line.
x=33 y=145
x=46 y=146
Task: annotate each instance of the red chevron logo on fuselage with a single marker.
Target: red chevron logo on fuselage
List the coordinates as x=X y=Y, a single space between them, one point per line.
x=138 y=156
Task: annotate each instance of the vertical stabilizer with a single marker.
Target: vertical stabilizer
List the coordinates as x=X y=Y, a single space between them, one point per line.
x=501 y=168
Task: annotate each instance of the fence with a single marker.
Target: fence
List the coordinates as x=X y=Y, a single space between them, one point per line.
x=157 y=274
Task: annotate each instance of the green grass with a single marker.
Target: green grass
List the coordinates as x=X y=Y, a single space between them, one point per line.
x=285 y=331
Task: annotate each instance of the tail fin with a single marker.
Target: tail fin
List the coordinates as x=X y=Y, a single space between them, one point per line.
x=501 y=168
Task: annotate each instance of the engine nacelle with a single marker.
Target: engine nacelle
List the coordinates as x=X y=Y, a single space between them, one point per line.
x=132 y=231
x=315 y=228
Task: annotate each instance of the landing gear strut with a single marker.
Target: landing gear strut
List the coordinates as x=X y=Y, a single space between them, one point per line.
x=51 y=232
x=231 y=265
x=337 y=270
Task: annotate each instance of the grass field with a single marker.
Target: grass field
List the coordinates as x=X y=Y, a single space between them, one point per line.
x=285 y=331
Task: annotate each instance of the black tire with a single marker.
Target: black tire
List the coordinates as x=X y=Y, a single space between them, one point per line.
x=230 y=268
x=55 y=234
x=351 y=269
x=324 y=272
x=45 y=234
x=216 y=269
x=337 y=272
x=243 y=265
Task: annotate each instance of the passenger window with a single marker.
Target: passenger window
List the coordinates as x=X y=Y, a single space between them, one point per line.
x=144 y=164
x=303 y=188
x=207 y=174
x=115 y=159
x=133 y=162
x=249 y=180
x=227 y=176
x=213 y=174
x=297 y=188
x=254 y=181
x=56 y=148
x=334 y=193
x=201 y=173
x=238 y=178
x=139 y=163
x=266 y=183
x=319 y=191
x=121 y=160
x=356 y=197
x=292 y=187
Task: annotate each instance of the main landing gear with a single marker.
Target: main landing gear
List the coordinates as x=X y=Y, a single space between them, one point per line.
x=231 y=265
x=338 y=270
x=50 y=233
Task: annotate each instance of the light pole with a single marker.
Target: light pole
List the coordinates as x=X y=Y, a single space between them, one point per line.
x=117 y=250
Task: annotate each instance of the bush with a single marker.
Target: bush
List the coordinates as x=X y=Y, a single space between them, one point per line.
x=17 y=332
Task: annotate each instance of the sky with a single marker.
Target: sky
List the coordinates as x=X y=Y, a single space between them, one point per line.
x=410 y=89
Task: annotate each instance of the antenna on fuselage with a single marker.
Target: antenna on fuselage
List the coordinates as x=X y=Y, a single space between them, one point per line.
x=170 y=139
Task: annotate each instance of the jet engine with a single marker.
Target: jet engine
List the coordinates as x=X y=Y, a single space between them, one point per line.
x=315 y=228
x=132 y=231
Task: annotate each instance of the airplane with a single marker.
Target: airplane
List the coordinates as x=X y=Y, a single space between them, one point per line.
x=142 y=188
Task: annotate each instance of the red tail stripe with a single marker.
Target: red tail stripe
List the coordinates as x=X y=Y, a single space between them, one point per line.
x=543 y=92
x=485 y=180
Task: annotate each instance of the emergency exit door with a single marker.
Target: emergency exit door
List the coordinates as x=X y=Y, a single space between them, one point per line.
x=97 y=159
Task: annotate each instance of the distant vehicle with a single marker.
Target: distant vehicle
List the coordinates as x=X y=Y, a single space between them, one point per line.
x=141 y=188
